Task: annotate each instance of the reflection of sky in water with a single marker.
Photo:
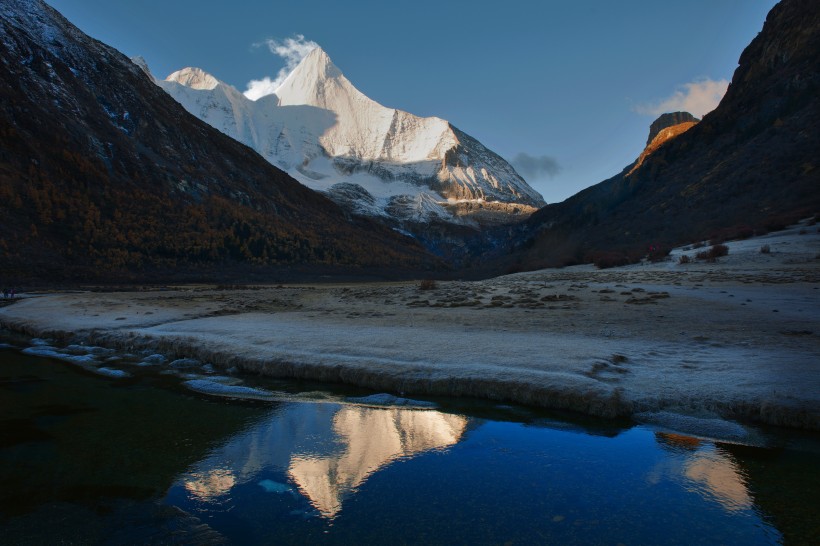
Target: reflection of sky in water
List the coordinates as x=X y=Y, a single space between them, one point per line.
x=325 y=451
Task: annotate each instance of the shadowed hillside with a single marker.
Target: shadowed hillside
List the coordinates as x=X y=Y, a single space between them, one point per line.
x=750 y=165
x=103 y=176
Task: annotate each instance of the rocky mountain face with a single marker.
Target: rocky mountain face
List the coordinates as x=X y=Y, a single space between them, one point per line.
x=373 y=160
x=662 y=131
x=670 y=119
x=749 y=165
x=103 y=176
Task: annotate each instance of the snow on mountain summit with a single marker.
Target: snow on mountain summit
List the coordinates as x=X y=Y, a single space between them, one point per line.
x=365 y=130
x=324 y=131
x=195 y=78
x=301 y=85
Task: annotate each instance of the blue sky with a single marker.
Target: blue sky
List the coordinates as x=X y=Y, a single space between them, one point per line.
x=573 y=86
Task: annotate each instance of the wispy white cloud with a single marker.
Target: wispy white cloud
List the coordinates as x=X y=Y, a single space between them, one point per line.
x=256 y=89
x=698 y=98
x=292 y=50
x=535 y=167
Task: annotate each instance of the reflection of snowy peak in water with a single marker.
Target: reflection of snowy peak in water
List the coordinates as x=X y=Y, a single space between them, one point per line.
x=371 y=438
x=326 y=451
x=325 y=132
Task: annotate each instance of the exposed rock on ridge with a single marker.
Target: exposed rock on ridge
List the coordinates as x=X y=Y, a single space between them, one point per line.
x=669 y=119
x=664 y=130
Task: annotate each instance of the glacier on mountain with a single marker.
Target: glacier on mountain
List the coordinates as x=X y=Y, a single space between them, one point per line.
x=373 y=160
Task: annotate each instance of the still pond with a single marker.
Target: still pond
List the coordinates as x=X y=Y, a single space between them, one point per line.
x=137 y=451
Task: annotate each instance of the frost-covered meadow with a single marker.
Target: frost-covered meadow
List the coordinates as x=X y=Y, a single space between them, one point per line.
x=736 y=339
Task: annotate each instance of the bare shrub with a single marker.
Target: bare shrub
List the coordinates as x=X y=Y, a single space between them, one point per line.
x=713 y=253
x=658 y=253
x=719 y=250
x=765 y=249
x=428 y=284
x=684 y=259
x=699 y=244
x=605 y=260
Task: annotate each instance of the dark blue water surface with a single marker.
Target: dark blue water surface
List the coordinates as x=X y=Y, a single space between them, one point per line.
x=91 y=459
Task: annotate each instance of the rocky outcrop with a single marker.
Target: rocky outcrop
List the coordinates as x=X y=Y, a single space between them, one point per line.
x=669 y=119
x=490 y=213
x=664 y=129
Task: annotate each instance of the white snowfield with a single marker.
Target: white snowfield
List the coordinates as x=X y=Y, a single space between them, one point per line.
x=736 y=339
x=323 y=131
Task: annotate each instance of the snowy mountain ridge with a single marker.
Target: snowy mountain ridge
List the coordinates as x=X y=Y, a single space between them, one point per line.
x=371 y=159
x=195 y=78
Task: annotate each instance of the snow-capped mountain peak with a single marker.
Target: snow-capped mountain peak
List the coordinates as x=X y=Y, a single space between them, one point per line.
x=311 y=75
x=324 y=132
x=315 y=81
x=195 y=78
x=364 y=129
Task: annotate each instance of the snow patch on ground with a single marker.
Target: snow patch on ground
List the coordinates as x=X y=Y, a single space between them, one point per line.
x=112 y=372
x=51 y=352
x=152 y=360
x=703 y=427
x=389 y=400
x=215 y=388
x=183 y=363
x=90 y=350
